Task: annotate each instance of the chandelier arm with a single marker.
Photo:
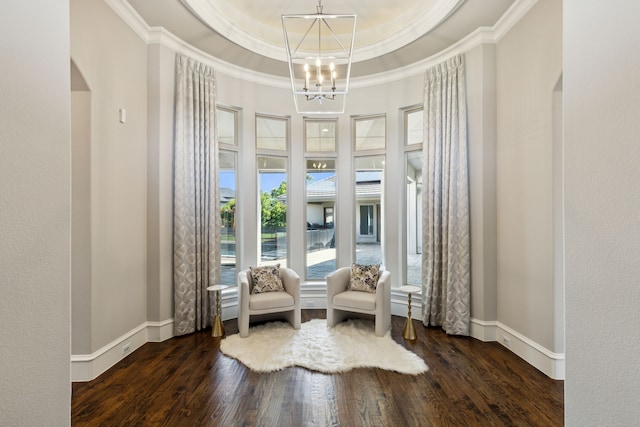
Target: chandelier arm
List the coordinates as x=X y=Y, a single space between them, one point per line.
x=295 y=51
x=320 y=19
x=344 y=50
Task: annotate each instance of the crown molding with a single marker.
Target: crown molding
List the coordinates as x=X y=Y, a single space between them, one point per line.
x=128 y=14
x=479 y=36
x=212 y=16
x=160 y=36
x=482 y=35
x=511 y=17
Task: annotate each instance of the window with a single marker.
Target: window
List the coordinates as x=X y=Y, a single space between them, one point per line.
x=272 y=135
x=413 y=136
x=366 y=220
x=369 y=174
x=369 y=136
x=413 y=221
x=227 y=126
x=370 y=133
x=413 y=120
x=320 y=197
x=228 y=246
x=320 y=204
x=227 y=134
x=320 y=136
x=272 y=175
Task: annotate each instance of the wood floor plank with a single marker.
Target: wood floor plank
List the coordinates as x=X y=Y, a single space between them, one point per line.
x=186 y=381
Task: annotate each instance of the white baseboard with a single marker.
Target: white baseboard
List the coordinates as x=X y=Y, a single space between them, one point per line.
x=86 y=367
x=546 y=361
x=314 y=296
x=399 y=304
x=160 y=331
x=483 y=330
x=550 y=363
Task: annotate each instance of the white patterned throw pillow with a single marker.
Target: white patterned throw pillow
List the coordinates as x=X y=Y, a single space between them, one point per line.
x=266 y=279
x=364 y=277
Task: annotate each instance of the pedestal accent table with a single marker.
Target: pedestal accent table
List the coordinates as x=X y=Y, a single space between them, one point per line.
x=217 y=330
x=409 y=333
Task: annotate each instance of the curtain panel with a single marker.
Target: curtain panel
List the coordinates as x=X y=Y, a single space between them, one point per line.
x=196 y=222
x=446 y=269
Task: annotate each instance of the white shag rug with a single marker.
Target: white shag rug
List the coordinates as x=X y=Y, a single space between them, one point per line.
x=351 y=344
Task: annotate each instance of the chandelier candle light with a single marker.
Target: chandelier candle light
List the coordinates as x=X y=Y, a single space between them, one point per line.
x=319 y=50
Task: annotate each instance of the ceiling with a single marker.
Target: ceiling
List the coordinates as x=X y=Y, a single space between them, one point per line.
x=390 y=34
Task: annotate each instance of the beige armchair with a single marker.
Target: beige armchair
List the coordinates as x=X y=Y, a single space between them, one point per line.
x=268 y=305
x=343 y=303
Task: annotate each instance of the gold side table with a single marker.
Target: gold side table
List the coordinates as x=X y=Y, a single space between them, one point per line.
x=217 y=330
x=409 y=333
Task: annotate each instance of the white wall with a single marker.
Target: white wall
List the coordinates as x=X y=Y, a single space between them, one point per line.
x=80 y=217
x=529 y=64
x=161 y=79
x=113 y=62
x=35 y=214
x=481 y=103
x=602 y=206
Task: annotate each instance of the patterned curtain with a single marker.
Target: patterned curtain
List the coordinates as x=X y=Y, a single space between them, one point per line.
x=196 y=219
x=446 y=270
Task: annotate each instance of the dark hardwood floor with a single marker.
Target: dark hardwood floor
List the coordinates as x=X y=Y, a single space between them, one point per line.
x=186 y=381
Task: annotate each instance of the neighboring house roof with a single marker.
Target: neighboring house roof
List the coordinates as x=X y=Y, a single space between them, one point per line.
x=322 y=190
x=368 y=186
x=368 y=176
x=368 y=190
x=226 y=194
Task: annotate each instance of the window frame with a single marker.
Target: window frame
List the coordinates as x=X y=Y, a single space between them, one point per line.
x=235 y=149
x=320 y=155
x=358 y=154
x=408 y=148
x=274 y=153
x=287 y=121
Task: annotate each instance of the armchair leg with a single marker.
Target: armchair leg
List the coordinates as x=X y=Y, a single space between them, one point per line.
x=297 y=319
x=382 y=326
x=331 y=322
x=243 y=326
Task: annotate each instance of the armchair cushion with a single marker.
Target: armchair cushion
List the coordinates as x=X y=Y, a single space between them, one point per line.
x=357 y=300
x=271 y=300
x=364 y=277
x=266 y=279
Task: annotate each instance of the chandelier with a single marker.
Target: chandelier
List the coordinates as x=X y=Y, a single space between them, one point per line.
x=319 y=49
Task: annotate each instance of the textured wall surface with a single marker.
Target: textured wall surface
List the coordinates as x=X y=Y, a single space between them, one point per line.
x=35 y=214
x=602 y=206
x=529 y=64
x=113 y=62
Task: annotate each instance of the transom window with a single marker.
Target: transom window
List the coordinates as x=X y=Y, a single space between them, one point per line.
x=370 y=133
x=271 y=133
x=320 y=136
